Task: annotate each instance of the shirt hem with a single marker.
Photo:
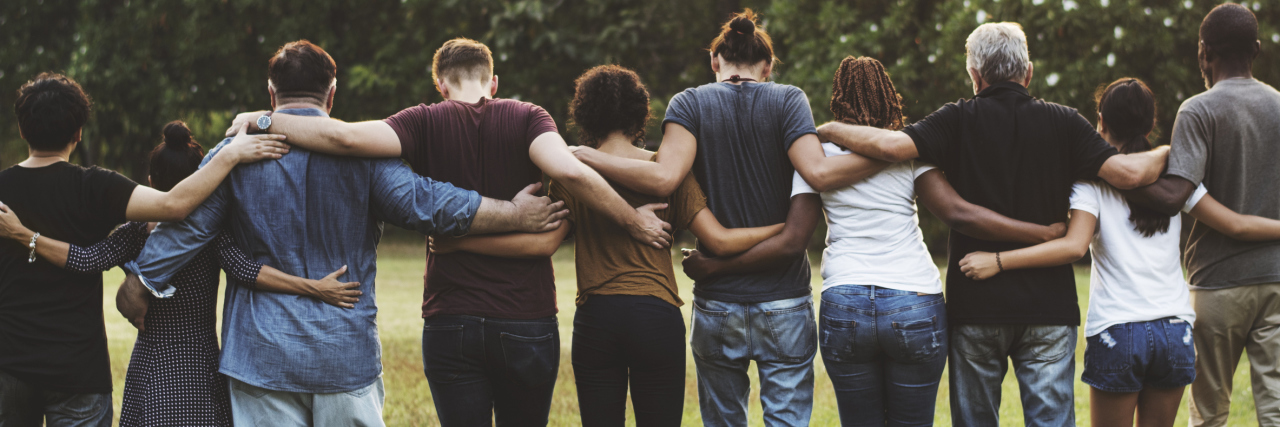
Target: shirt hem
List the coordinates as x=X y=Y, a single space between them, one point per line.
x=495 y=314
x=1061 y=321
x=1228 y=284
x=295 y=388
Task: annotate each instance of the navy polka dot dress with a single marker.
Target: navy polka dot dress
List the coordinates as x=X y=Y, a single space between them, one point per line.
x=173 y=377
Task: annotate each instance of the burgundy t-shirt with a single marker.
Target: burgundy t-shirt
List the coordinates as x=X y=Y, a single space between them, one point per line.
x=482 y=147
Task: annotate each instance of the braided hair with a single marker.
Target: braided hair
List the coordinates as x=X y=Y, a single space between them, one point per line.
x=863 y=94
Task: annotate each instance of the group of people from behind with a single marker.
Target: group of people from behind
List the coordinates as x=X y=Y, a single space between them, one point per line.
x=742 y=167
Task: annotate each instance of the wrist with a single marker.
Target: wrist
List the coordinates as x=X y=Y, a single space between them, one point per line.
x=23 y=236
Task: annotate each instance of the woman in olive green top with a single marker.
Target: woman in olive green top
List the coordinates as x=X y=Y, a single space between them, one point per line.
x=628 y=327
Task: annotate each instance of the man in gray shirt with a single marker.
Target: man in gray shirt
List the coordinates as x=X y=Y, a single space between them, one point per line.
x=1225 y=138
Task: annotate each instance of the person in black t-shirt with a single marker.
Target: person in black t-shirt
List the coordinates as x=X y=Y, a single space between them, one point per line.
x=1019 y=156
x=53 y=345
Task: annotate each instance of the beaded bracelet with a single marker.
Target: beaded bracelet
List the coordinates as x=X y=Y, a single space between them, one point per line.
x=998 y=263
x=32 y=258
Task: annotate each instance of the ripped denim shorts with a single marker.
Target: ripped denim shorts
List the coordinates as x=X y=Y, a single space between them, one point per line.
x=1126 y=357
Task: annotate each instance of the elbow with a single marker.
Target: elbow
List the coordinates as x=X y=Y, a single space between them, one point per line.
x=894 y=155
x=546 y=249
x=1077 y=253
x=955 y=218
x=1128 y=181
x=175 y=211
x=715 y=246
x=1237 y=231
x=342 y=140
x=664 y=186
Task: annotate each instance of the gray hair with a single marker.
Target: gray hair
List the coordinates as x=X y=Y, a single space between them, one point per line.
x=998 y=51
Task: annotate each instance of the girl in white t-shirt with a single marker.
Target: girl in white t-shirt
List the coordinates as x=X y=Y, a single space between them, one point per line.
x=1139 y=355
x=883 y=328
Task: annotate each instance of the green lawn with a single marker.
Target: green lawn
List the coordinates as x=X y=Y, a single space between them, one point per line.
x=408 y=400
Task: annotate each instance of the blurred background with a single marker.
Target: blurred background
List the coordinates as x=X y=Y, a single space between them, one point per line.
x=148 y=62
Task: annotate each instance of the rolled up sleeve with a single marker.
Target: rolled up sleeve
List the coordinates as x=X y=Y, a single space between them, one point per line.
x=405 y=199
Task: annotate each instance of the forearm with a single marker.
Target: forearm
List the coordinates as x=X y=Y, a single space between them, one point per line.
x=273 y=280
x=982 y=223
x=595 y=192
x=880 y=144
x=1049 y=254
x=782 y=249
x=494 y=216
x=652 y=178
x=1257 y=229
x=52 y=250
x=733 y=241
x=177 y=203
x=512 y=245
x=374 y=138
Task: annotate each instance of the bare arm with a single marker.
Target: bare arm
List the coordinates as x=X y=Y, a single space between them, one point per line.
x=937 y=195
x=510 y=245
x=828 y=173
x=1129 y=171
x=657 y=178
x=887 y=145
x=525 y=213
x=1166 y=195
x=373 y=138
x=549 y=152
x=983 y=265
x=150 y=205
x=327 y=289
x=122 y=245
x=1249 y=228
x=773 y=253
x=721 y=241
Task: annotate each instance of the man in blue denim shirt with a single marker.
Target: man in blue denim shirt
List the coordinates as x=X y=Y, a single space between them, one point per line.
x=295 y=360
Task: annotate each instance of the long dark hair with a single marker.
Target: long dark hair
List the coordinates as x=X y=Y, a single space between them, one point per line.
x=176 y=158
x=1128 y=109
x=743 y=42
x=863 y=94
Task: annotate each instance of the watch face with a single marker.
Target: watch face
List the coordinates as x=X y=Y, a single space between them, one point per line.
x=264 y=122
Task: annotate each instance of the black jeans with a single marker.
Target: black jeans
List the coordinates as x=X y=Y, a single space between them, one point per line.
x=629 y=338
x=484 y=369
x=22 y=405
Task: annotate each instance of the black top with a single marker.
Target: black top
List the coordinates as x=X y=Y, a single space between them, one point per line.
x=1019 y=156
x=51 y=322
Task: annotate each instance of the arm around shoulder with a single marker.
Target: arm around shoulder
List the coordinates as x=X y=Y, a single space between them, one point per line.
x=887 y=145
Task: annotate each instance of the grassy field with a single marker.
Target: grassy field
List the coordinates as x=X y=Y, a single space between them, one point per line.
x=408 y=401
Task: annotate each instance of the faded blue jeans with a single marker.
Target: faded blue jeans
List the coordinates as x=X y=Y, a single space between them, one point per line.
x=1044 y=360
x=778 y=335
x=884 y=350
x=256 y=406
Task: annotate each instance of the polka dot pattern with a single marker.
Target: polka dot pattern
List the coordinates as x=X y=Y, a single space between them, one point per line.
x=173 y=377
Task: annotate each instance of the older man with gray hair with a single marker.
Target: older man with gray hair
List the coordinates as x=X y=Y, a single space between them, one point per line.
x=1019 y=156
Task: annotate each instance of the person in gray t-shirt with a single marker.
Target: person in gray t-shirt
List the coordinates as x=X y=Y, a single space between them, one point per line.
x=1226 y=138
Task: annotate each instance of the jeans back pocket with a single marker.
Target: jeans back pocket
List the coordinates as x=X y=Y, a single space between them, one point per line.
x=1182 y=348
x=839 y=338
x=919 y=340
x=441 y=351
x=792 y=332
x=532 y=361
x=707 y=337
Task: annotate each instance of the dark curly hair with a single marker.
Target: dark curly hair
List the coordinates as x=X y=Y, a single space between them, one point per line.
x=51 y=108
x=609 y=98
x=863 y=94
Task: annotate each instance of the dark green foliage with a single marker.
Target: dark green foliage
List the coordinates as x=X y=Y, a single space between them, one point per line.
x=148 y=62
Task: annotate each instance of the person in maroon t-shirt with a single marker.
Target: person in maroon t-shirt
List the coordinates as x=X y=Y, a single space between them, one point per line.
x=491 y=344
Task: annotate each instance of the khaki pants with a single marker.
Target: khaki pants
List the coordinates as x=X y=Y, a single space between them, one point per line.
x=1229 y=321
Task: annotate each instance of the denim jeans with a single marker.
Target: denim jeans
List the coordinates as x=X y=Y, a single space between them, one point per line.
x=255 y=406
x=885 y=350
x=481 y=369
x=778 y=335
x=636 y=339
x=1044 y=360
x=23 y=405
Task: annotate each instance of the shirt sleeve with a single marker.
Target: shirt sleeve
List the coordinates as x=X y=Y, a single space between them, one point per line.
x=936 y=134
x=109 y=194
x=1088 y=150
x=236 y=262
x=682 y=110
x=408 y=200
x=800 y=186
x=919 y=168
x=173 y=244
x=1189 y=153
x=799 y=117
x=1195 y=198
x=1084 y=197
x=688 y=200
x=539 y=123
x=121 y=246
x=413 y=126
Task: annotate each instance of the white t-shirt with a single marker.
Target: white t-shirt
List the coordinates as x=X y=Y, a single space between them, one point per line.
x=873 y=233
x=1135 y=278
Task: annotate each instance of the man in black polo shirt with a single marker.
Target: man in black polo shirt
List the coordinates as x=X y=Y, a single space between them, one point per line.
x=1018 y=156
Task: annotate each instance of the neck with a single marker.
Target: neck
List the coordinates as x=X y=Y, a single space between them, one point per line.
x=38 y=158
x=1224 y=72
x=728 y=70
x=617 y=142
x=468 y=91
x=296 y=105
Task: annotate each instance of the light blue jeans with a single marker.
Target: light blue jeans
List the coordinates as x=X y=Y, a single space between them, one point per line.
x=1044 y=360
x=256 y=406
x=780 y=336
